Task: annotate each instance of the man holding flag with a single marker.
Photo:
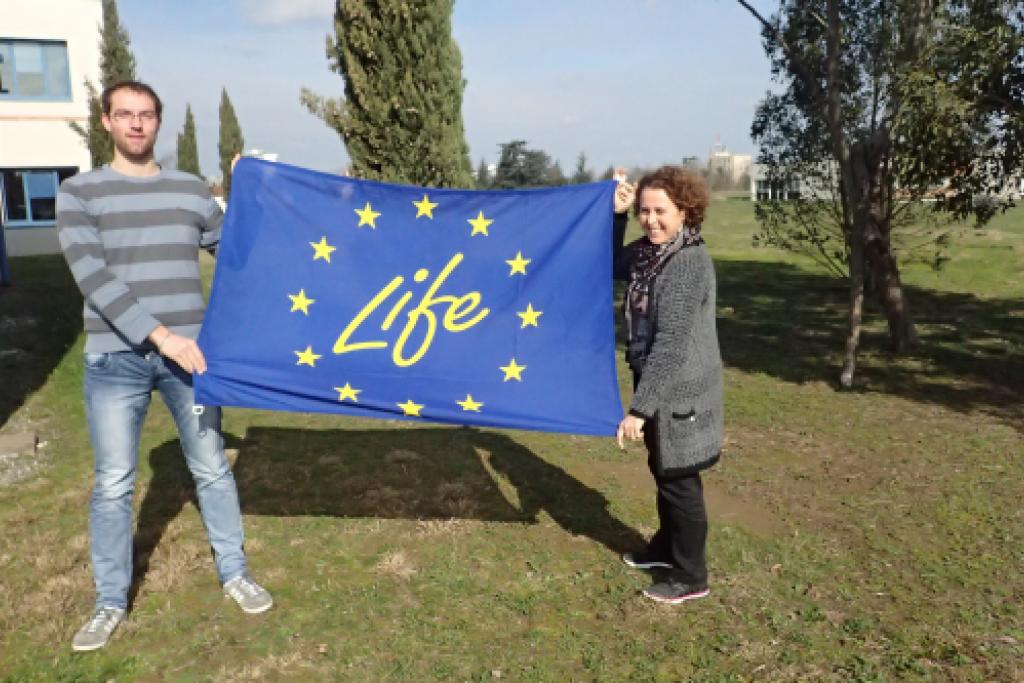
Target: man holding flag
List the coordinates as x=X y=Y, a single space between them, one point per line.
x=131 y=233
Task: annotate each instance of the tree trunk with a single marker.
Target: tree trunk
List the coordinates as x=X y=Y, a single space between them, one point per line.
x=856 y=312
x=887 y=287
x=852 y=176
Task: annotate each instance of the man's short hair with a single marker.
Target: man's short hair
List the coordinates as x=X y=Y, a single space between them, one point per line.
x=137 y=87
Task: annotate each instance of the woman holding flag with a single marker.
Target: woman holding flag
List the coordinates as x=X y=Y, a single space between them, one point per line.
x=677 y=369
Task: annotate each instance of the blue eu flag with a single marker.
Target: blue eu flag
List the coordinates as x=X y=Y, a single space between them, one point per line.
x=363 y=298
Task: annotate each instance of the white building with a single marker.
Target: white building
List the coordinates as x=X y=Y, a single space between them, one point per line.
x=764 y=190
x=47 y=50
x=731 y=166
x=821 y=185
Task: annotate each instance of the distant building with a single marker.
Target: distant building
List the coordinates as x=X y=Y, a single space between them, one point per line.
x=691 y=162
x=821 y=185
x=764 y=190
x=730 y=167
x=47 y=50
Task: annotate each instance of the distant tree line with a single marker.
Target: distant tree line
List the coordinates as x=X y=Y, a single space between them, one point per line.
x=519 y=166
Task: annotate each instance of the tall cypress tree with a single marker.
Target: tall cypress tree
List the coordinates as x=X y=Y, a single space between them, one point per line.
x=231 y=141
x=188 y=151
x=117 y=63
x=401 y=117
x=582 y=174
x=483 y=174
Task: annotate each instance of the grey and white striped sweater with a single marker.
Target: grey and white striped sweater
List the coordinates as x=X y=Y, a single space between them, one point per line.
x=132 y=244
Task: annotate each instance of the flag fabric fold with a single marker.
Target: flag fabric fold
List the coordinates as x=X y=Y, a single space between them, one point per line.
x=490 y=308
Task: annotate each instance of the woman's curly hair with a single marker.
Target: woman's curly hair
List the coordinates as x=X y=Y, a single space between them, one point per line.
x=686 y=189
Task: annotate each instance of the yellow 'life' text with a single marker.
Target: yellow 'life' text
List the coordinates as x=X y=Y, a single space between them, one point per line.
x=453 y=319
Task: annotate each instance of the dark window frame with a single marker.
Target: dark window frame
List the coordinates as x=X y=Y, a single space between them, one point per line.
x=49 y=218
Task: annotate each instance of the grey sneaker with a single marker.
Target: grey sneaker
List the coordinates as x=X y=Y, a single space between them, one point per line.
x=97 y=631
x=249 y=595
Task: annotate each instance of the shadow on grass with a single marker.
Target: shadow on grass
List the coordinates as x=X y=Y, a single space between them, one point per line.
x=789 y=323
x=40 y=318
x=170 y=489
x=398 y=473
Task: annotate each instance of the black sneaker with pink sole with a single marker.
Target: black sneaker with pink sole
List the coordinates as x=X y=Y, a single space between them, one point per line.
x=673 y=592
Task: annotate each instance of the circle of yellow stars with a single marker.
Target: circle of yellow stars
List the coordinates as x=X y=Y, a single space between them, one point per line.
x=480 y=224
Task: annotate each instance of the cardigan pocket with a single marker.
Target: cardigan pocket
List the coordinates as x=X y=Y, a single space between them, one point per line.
x=684 y=426
x=679 y=436
x=680 y=427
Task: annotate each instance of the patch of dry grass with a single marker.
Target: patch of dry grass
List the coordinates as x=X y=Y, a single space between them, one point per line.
x=397 y=564
x=295 y=665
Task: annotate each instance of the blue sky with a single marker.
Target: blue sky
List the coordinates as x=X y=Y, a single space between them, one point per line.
x=630 y=82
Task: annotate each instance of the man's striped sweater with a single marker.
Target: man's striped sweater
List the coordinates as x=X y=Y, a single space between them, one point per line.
x=132 y=244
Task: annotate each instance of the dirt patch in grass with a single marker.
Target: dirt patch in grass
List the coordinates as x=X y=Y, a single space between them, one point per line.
x=739 y=508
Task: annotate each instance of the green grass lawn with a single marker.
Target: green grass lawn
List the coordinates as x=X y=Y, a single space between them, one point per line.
x=867 y=535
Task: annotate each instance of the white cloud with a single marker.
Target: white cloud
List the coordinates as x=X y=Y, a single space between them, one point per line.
x=286 y=11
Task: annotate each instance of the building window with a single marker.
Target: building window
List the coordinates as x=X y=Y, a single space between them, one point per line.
x=778 y=190
x=793 y=191
x=763 y=191
x=29 y=195
x=34 y=70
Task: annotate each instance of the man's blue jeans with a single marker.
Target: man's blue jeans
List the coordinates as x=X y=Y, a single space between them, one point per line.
x=117 y=394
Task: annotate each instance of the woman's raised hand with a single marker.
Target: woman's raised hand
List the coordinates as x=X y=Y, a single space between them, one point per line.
x=625 y=194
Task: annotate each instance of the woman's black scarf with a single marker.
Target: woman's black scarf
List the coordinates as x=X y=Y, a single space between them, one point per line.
x=647 y=260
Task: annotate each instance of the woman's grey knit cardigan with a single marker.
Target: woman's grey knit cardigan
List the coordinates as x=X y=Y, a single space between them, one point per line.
x=680 y=388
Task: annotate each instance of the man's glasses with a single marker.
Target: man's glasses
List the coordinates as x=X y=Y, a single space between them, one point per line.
x=123 y=115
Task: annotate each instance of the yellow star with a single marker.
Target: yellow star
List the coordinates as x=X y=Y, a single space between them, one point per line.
x=518 y=264
x=411 y=409
x=347 y=392
x=425 y=207
x=470 y=405
x=513 y=371
x=367 y=216
x=307 y=357
x=529 y=316
x=322 y=249
x=479 y=224
x=300 y=302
